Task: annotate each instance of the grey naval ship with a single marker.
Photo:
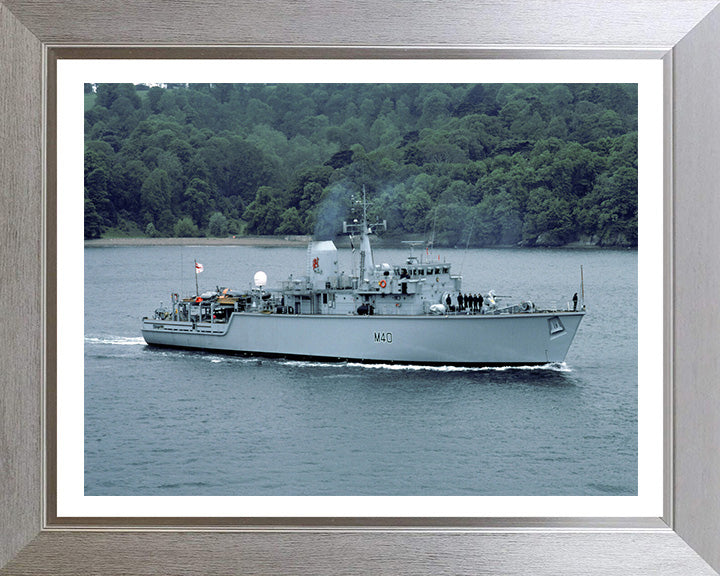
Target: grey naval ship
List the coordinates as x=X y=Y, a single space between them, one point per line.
x=409 y=313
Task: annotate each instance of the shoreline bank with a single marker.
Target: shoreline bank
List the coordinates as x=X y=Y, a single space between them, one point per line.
x=302 y=241
x=260 y=241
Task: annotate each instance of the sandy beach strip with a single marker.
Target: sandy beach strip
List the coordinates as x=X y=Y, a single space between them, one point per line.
x=261 y=241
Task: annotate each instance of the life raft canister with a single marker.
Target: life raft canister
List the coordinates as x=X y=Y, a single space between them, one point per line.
x=382 y=283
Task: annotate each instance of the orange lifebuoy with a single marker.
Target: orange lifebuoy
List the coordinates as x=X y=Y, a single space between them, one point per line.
x=382 y=283
x=198 y=299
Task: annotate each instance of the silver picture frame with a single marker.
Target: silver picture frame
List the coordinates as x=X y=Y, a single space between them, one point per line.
x=683 y=33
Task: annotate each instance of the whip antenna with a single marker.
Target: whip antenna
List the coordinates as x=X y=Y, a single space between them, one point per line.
x=462 y=262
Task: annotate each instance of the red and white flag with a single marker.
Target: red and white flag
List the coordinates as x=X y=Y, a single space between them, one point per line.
x=198 y=268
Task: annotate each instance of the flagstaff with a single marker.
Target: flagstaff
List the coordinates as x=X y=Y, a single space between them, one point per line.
x=198 y=268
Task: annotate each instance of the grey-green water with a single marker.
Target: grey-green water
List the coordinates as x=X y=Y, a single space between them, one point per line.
x=165 y=422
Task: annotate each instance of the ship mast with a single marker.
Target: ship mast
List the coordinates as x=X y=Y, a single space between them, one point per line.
x=367 y=264
x=197 y=290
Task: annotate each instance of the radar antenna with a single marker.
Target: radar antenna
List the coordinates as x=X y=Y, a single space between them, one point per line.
x=412 y=243
x=363 y=227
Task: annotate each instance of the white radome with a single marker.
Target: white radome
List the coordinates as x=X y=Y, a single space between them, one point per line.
x=260 y=279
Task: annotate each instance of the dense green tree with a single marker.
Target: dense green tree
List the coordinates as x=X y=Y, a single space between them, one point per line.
x=151 y=231
x=94 y=225
x=263 y=214
x=186 y=228
x=416 y=207
x=127 y=186
x=107 y=94
x=435 y=107
x=497 y=221
x=549 y=220
x=96 y=190
x=155 y=192
x=492 y=164
x=453 y=225
x=153 y=98
x=166 y=222
x=613 y=203
x=218 y=225
x=197 y=199
x=290 y=222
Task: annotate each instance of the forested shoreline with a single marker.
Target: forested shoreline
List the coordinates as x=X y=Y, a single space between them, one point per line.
x=478 y=165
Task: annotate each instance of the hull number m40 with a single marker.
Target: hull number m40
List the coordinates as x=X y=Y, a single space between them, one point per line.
x=383 y=337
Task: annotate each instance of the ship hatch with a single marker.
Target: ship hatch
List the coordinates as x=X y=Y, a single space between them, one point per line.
x=555 y=325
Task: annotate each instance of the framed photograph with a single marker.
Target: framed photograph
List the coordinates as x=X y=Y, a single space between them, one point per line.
x=432 y=156
x=630 y=507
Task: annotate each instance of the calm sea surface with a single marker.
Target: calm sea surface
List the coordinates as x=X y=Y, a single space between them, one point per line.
x=164 y=422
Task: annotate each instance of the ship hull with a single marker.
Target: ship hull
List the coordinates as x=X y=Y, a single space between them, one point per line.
x=465 y=340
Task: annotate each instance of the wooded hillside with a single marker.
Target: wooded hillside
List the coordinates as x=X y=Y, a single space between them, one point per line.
x=498 y=164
